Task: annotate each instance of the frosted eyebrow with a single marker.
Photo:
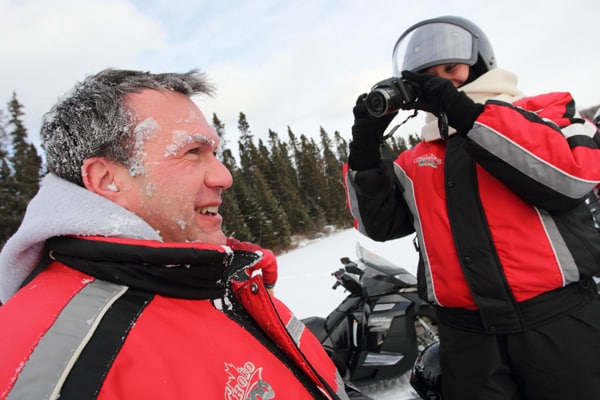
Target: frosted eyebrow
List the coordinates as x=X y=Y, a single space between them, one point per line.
x=183 y=138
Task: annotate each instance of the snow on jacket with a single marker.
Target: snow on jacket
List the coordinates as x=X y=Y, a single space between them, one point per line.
x=137 y=318
x=499 y=215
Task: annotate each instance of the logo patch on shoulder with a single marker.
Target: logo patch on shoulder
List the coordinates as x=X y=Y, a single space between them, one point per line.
x=428 y=160
x=246 y=383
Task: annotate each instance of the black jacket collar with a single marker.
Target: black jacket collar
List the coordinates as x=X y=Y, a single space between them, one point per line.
x=167 y=269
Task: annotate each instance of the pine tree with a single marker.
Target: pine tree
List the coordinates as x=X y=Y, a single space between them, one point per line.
x=275 y=230
x=21 y=170
x=395 y=146
x=247 y=149
x=8 y=199
x=25 y=160
x=264 y=163
x=283 y=179
x=234 y=223
x=312 y=180
x=269 y=224
x=4 y=143
x=315 y=213
x=220 y=129
x=413 y=139
x=333 y=191
x=250 y=209
x=341 y=146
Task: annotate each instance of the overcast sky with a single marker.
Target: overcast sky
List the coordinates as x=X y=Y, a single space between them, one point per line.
x=282 y=63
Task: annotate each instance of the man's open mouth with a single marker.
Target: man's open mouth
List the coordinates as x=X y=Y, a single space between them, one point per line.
x=211 y=210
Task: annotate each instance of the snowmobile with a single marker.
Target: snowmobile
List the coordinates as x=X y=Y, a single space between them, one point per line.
x=376 y=333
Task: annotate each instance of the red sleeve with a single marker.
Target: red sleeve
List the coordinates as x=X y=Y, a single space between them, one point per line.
x=268 y=266
x=539 y=148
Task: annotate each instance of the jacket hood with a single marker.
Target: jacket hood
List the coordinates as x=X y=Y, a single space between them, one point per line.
x=62 y=208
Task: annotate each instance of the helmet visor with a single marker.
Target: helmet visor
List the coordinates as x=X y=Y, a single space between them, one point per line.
x=433 y=44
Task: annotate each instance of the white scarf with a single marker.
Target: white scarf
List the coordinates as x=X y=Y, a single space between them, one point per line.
x=63 y=208
x=497 y=84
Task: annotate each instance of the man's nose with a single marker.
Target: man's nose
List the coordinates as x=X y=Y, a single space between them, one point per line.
x=219 y=175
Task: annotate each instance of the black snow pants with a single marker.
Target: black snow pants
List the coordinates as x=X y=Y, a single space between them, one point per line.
x=558 y=360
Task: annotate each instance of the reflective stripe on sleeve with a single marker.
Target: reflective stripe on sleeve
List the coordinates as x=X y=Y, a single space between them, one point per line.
x=51 y=361
x=530 y=164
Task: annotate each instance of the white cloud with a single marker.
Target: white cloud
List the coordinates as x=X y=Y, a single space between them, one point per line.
x=54 y=44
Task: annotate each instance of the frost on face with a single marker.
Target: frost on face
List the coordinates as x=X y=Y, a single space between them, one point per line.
x=183 y=138
x=181 y=224
x=192 y=115
x=142 y=132
x=150 y=188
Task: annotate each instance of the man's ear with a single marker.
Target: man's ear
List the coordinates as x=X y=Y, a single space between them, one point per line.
x=101 y=176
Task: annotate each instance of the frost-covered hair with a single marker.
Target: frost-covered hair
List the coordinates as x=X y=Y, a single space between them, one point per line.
x=93 y=119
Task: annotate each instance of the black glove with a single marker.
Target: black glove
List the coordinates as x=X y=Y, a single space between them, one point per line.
x=437 y=95
x=367 y=136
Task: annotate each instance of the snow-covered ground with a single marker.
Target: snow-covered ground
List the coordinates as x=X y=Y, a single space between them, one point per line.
x=305 y=282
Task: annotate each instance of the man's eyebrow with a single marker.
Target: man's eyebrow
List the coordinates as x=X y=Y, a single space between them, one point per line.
x=182 y=139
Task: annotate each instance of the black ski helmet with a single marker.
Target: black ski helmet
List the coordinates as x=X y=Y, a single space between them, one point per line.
x=426 y=375
x=443 y=40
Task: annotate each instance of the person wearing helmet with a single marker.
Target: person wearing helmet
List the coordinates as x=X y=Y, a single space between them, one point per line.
x=495 y=192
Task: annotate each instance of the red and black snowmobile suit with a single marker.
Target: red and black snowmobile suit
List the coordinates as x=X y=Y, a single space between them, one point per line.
x=105 y=318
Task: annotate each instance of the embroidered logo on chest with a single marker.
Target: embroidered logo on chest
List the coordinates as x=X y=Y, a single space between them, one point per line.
x=246 y=383
x=428 y=160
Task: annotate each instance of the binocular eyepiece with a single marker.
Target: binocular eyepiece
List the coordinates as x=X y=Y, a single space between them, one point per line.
x=389 y=96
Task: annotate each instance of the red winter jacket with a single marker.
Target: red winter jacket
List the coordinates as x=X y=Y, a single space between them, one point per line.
x=499 y=215
x=128 y=319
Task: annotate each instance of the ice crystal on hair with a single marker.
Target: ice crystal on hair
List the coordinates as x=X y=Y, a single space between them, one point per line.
x=142 y=132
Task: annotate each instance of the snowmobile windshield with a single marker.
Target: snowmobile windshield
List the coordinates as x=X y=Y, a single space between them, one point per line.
x=596 y=118
x=435 y=43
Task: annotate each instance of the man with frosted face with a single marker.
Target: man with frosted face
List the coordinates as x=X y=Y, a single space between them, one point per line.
x=120 y=282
